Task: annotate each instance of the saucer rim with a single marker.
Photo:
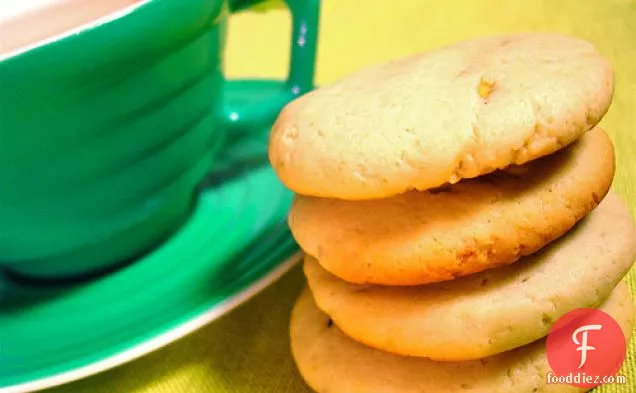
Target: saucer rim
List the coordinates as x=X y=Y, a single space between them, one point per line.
x=163 y=339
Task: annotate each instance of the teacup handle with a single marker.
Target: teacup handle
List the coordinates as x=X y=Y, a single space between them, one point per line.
x=262 y=108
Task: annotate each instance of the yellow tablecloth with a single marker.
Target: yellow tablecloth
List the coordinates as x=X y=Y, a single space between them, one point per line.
x=247 y=351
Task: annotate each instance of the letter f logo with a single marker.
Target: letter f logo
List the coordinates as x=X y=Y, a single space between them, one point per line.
x=583 y=343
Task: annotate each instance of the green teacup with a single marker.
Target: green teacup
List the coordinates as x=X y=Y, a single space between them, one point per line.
x=106 y=130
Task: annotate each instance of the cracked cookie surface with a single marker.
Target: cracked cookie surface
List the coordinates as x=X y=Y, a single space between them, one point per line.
x=330 y=361
x=453 y=113
x=491 y=312
x=437 y=235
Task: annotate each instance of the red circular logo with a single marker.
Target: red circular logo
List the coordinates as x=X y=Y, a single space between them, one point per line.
x=585 y=348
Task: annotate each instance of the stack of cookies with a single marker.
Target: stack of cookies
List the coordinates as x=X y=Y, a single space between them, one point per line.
x=452 y=206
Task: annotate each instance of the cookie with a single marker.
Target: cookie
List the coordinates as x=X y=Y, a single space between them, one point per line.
x=452 y=113
x=437 y=235
x=493 y=311
x=330 y=361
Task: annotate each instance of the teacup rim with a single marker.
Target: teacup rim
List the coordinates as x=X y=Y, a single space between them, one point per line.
x=75 y=42
x=120 y=13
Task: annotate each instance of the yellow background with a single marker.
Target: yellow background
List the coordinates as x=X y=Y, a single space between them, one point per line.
x=248 y=349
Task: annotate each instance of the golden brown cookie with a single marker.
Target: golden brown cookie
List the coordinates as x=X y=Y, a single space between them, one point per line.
x=330 y=361
x=453 y=113
x=437 y=235
x=493 y=311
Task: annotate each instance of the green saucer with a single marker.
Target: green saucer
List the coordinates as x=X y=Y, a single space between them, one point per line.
x=236 y=242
